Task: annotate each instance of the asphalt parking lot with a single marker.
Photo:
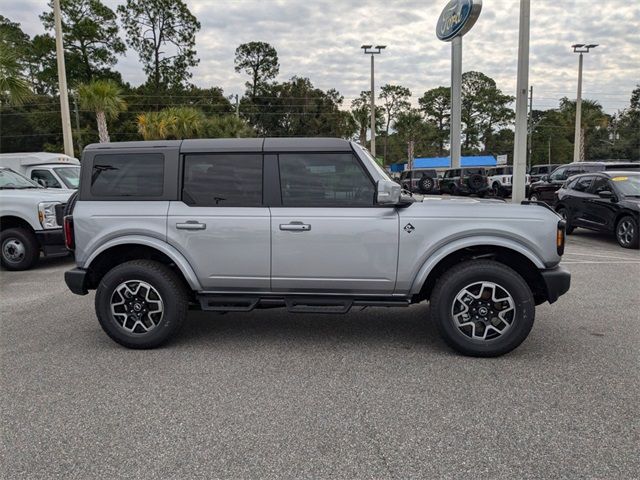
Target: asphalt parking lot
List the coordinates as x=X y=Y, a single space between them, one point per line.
x=373 y=394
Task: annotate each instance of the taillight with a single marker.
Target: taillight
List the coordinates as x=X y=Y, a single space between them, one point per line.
x=69 y=238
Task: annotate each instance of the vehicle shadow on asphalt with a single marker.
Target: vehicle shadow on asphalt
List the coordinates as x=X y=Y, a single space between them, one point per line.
x=403 y=328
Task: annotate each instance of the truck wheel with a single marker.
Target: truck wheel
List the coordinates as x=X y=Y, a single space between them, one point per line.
x=482 y=308
x=141 y=303
x=20 y=249
x=627 y=232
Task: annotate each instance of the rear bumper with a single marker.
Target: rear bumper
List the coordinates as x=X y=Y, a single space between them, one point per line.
x=557 y=282
x=52 y=242
x=76 y=280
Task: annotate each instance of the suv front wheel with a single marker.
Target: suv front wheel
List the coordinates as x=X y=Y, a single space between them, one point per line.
x=482 y=308
x=141 y=303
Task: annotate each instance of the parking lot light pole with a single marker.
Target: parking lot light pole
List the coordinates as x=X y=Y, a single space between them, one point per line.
x=522 y=94
x=580 y=48
x=371 y=50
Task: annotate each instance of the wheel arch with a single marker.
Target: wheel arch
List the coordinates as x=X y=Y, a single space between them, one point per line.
x=515 y=256
x=13 y=221
x=118 y=251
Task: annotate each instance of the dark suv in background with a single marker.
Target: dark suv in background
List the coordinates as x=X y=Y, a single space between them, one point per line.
x=419 y=180
x=465 y=181
x=606 y=202
x=545 y=189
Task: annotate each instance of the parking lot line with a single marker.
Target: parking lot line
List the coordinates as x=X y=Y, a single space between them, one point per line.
x=601 y=256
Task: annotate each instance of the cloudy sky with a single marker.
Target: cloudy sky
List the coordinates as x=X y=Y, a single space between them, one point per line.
x=321 y=40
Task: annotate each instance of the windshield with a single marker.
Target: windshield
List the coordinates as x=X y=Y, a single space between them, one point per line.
x=10 y=180
x=69 y=175
x=628 y=185
x=373 y=160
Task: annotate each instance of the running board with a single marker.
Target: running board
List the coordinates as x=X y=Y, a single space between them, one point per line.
x=295 y=303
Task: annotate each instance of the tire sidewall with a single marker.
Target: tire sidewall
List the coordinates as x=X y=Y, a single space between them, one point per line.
x=173 y=304
x=505 y=278
x=636 y=240
x=32 y=250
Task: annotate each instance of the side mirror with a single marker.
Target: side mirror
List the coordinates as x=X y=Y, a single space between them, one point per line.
x=606 y=194
x=387 y=192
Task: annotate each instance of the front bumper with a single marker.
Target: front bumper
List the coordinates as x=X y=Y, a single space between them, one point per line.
x=52 y=242
x=76 y=280
x=557 y=282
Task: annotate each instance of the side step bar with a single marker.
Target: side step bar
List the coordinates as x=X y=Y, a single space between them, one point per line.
x=294 y=303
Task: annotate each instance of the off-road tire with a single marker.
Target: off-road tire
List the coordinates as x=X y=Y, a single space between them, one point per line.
x=168 y=285
x=476 y=182
x=462 y=275
x=426 y=184
x=21 y=238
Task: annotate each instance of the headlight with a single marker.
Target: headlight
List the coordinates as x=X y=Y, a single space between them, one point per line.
x=47 y=214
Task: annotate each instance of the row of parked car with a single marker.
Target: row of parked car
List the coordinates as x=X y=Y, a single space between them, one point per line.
x=480 y=181
x=601 y=196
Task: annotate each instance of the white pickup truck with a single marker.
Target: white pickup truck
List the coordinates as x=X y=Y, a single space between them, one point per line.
x=30 y=220
x=51 y=170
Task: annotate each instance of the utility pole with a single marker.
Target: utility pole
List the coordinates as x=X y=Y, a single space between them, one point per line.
x=530 y=128
x=237 y=107
x=62 y=82
x=578 y=152
x=520 y=146
x=77 y=115
x=370 y=50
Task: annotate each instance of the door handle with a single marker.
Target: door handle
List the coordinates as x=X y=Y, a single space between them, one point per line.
x=191 y=225
x=295 y=227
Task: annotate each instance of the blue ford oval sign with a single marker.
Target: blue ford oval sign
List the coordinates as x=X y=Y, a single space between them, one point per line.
x=457 y=18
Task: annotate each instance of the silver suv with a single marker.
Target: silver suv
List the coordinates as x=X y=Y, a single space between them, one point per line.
x=312 y=225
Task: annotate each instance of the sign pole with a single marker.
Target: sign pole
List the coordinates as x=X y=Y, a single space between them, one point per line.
x=456 y=101
x=522 y=90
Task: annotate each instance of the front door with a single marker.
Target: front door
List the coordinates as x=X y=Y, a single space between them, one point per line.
x=328 y=235
x=221 y=225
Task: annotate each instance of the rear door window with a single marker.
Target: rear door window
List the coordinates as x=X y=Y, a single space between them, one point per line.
x=582 y=184
x=223 y=180
x=128 y=175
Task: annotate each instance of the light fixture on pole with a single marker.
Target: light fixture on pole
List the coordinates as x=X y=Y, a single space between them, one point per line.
x=580 y=48
x=371 y=50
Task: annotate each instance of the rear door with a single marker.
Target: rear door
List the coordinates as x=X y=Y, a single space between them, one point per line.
x=220 y=224
x=577 y=200
x=600 y=213
x=327 y=233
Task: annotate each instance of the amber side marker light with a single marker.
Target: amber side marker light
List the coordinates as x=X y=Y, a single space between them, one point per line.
x=561 y=236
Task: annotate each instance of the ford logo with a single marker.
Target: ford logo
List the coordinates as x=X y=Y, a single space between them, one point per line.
x=457 y=18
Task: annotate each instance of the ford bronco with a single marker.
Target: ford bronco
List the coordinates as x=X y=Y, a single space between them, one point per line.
x=312 y=225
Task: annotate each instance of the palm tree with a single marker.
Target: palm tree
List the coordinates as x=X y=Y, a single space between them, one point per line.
x=171 y=123
x=105 y=98
x=12 y=82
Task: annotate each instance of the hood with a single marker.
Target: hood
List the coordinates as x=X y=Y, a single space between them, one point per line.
x=477 y=208
x=37 y=194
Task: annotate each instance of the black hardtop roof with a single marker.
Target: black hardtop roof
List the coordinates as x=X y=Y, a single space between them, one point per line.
x=271 y=144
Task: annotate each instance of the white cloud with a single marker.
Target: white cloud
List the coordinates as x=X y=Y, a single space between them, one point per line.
x=321 y=40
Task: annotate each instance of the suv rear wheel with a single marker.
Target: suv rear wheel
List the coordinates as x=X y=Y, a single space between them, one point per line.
x=20 y=249
x=482 y=308
x=141 y=304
